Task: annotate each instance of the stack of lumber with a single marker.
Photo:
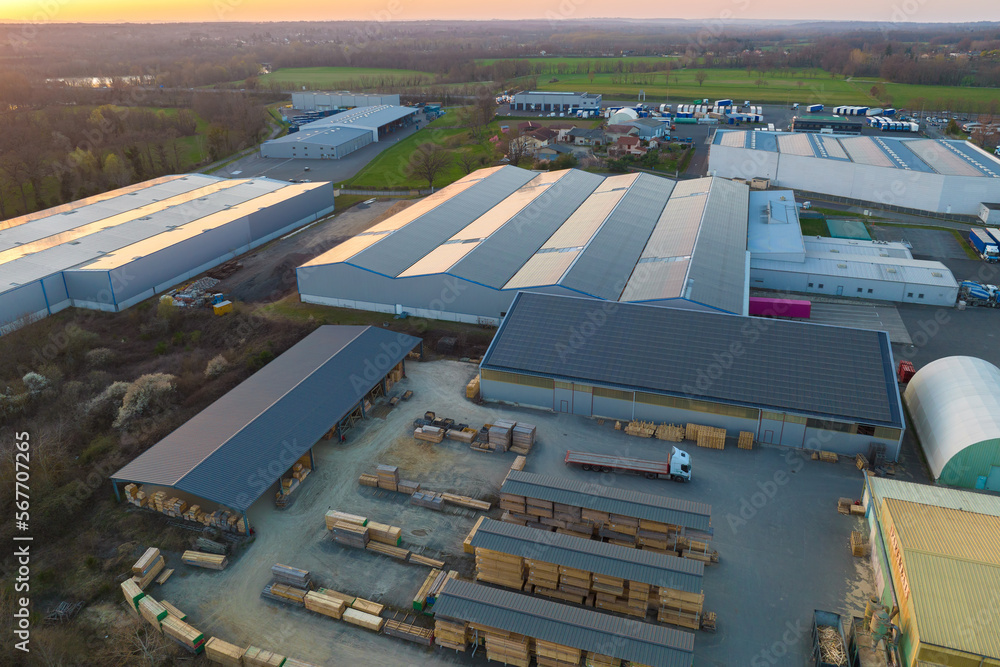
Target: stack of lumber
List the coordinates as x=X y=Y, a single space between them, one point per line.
x=697 y=550
x=429 y=434
x=465 y=501
x=368 y=607
x=361 y=619
x=224 y=653
x=424 y=560
x=175 y=507
x=500 y=434
x=420 y=599
x=691 y=432
x=556 y=655
x=324 y=604
x=746 y=440
x=135 y=495
x=300 y=470
x=844 y=505
x=671 y=432
x=152 y=611
x=522 y=438
x=711 y=437
x=292 y=576
x=258 y=657
x=451 y=635
x=330 y=593
x=384 y=533
x=472 y=389
x=194 y=513
x=509 y=648
x=396 y=374
x=859 y=543
x=351 y=534
x=427 y=499
x=149 y=565
x=598 y=660
x=211 y=546
x=465 y=435
x=857 y=509
x=190 y=638
x=286 y=593
x=387 y=550
x=680 y=608
x=407 y=631
x=162 y=579
x=368 y=479
x=495 y=567
x=829 y=457
x=333 y=516
x=408 y=487
x=518 y=463
x=640 y=429
x=132 y=593
x=295 y=662
x=438 y=585
x=200 y=559
x=467 y=542
x=388 y=477
x=708 y=620
x=173 y=611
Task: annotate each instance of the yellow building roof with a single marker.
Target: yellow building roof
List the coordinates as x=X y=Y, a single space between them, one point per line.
x=952 y=561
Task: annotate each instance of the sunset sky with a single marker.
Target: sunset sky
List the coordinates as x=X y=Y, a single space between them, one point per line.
x=57 y=11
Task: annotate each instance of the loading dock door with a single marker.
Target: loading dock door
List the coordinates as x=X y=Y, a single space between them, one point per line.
x=993 y=479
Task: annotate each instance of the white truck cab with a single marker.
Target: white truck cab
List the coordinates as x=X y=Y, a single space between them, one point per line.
x=680 y=465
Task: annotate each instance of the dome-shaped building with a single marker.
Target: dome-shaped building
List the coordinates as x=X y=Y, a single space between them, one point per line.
x=955 y=407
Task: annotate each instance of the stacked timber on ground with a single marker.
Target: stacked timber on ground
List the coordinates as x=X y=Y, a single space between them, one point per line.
x=411 y=632
x=388 y=477
x=427 y=499
x=201 y=559
x=258 y=657
x=148 y=567
x=408 y=487
x=333 y=516
x=519 y=463
x=670 y=432
x=223 y=653
x=500 y=434
x=324 y=604
x=467 y=542
x=177 y=508
x=606 y=576
x=368 y=479
x=711 y=437
x=183 y=633
x=472 y=389
x=465 y=435
x=640 y=429
x=350 y=534
x=433 y=434
x=746 y=440
x=292 y=576
x=429 y=590
x=516 y=627
x=624 y=518
x=522 y=438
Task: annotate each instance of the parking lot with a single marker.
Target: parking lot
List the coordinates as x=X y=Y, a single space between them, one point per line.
x=784 y=548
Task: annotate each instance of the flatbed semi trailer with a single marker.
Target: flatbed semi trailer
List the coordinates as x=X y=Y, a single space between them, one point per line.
x=677 y=467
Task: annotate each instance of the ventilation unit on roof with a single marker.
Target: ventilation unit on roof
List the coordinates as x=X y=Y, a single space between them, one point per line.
x=834 y=249
x=68 y=212
x=73 y=243
x=890 y=270
x=936 y=274
x=842 y=266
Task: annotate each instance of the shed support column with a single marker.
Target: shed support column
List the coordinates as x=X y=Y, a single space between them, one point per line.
x=385 y=391
x=312 y=459
x=118 y=495
x=361 y=404
x=246 y=524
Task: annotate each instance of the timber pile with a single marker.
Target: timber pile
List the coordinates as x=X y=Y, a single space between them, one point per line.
x=640 y=429
x=670 y=432
x=385 y=549
x=518 y=463
x=522 y=438
x=351 y=534
x=184 y=634
x=258 y=657
x=857 y=510
x=211 y=546
x=500 y=434
x=696 y=549
x=680 y=608
x=556 y=655
x=224 y=653
x=368 y=607
x=348 y=599
x=420 y=599
x=472 y=389
x=408 y=487
x=333 y=516
x=388 y=477
x=162 y=579
x=465 y=435
x=173 y=611
x=859 y=543
x=831 y=647
x=324 y=604
x=177 y=508
x=285 y=593
x=148 y=567
x=152 y=611
x=691 y=432
x=711 y=437
x=363 y=620
x=452 y=635
x=598 y=660
x=829 y=457
x=844 y=505
x=408 y=631
x=467 y=542
x=424 y=560
x=746 y=440
x=210 y=561
x=292 y=576
x=465 y=501
x=132 y=593
x=427 y=499
x=509 y=648
x=368 y=479
x=429 y=434
x=495 y=567
x=384 y=533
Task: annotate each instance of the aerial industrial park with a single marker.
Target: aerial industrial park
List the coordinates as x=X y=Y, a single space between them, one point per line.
x=526 y=351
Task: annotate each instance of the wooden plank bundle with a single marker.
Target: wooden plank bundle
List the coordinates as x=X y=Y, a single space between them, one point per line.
x=173 y=611
x=495 y=567
x=408 y=487
x=224 y=653
x=472 y=389
x=387 y=550
x=451 y=634
x=711 y=437
x=363 y=620
x=368 y=479
x=670 y=432
x=522 y=438
x=859 y=543
x=427 y=499
x=210 y=561
x=500 y=434
x=388 y=477
x=408 y=631
x=333 y=516
x=464 y=435
x=258 y=657
x=132 y=593
x=640 y=429
x=184 y=634
x=324 y=604
x=348 y=599
x=291 y=576
x=551 y=654
x=152 y=573
x=465 y=501
x=746 y=440
x=146 y=561
x=152 y=611
x=509 y=648
x=162 y=579
x=680 y=608
x=420 y=599
x=287 y=593
x=351 y=534
x=467 y=542
x=175 y=507
x=424 y=560
x=384 y=533
x=429 y=434
x=367 y=606
x=844 y=505
x=518 y=463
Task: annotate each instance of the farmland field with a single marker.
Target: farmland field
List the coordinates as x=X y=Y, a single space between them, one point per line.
x=346 y=77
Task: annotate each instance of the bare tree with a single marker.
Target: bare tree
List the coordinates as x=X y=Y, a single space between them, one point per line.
x=514 y=146
x=469 y=161
x=428 y=161
x=700 y=76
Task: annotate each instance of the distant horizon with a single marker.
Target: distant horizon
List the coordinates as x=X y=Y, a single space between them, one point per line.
x=896 y=12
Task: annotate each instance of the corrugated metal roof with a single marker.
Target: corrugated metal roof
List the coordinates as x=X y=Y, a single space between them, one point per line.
x=657 y=279
x=625 y=638
x=888 y=269
x=607 y=262
x=932 y=494
x=944 y=161
x=733 y=139
x=718 y=271
x=795 y=144
x=545 y=268
x=801 y=367
x=683 y=574
x=946 y=532
x=323 y=136
x=347 y=249
x=369 y=118
x=272 y=418
x=696 y=516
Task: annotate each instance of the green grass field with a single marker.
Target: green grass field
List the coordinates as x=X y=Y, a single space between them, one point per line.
x=573 y=60
x=339 y=77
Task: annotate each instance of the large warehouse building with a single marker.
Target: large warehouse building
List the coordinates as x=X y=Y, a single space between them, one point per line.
x=540 y=100
x=337 y=136
x=782 y=259
x=235 y=450
x=954 y=403
x=936 y=175
x=935 y=555
x=113 y=250
x=340 y=100
x=791 y=383
x=462 y=253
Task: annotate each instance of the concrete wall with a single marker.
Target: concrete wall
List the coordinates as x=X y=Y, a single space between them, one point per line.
x=840 y=286
x=730 y=162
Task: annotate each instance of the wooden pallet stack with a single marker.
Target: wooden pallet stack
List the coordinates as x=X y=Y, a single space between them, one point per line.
x=711 y=437
x=680 y=608
x=350 y=534
x=500 y=433
x=258 y=657
x=859 y=543
x=844 y=505
x=427 y=499
x=499 y=568
x=292 y=576
x=746 y=440
x=183 y=633
x=148 y=567
x=691 y=432
x=326 y=605
x=429 y=434
x=522 y=438
x=388 y=477
x=201 y=559
x=368 y=479
x=472 y=389
x=224 y=653
x=670 y=432
x=640 y=429
x=333 y=516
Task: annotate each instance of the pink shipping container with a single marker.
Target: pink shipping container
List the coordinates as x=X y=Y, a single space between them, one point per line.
x=766 y=307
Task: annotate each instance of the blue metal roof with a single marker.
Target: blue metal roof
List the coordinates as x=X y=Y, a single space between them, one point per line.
x=576 y=627
x=233 y=450
x=902 y=155
x=987 y=164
